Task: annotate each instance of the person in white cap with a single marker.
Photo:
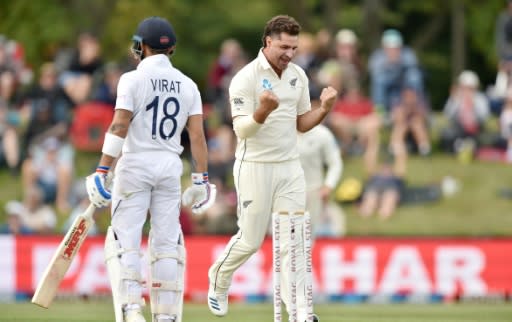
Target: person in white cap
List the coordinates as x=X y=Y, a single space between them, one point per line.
x=348 y=57
x=467 y=109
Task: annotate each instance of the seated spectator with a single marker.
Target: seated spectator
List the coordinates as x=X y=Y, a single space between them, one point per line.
x=77 y=79
x=9 y=148
x=390 y=67
x=49 y=109
x=347 y=56
x=40 y=218
x=356 y=125
x=11 y=117
x=231 y=58
x=50 y=168
x=410 y=116
x=14 y=224
x=506 y=127
x=221 y=151
x=48 y=88
x=467 y=110
x=307 y=58
x=107 y=89
x=503 y=41
x=385 y=187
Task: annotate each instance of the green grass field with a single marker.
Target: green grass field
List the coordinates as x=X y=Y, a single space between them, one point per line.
x=101 y=311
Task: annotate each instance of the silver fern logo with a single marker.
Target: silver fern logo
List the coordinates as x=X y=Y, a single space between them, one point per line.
x=266 y=84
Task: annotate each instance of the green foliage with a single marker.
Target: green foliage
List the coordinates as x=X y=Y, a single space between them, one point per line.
x=44 y=26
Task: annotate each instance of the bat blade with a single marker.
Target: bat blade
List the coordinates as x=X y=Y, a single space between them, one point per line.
x=62 y=258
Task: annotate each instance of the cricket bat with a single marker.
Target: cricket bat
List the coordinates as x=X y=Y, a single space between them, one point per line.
x=61 y=260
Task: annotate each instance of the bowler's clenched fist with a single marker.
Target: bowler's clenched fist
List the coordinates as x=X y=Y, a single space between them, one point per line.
x=328 y=97
x=269 y=101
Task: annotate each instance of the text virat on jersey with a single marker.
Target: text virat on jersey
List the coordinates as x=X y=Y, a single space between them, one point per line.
x=164 y=85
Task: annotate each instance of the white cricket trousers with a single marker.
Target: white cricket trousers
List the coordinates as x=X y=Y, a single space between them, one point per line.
x=148 y=181
x=263 y=188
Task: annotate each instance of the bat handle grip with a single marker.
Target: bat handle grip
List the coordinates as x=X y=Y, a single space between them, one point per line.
x=90 y=210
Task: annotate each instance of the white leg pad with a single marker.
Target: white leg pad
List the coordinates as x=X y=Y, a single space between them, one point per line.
x=177 y=286
x=118 y=275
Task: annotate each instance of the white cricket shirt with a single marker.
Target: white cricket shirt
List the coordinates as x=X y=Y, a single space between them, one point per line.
x=320 y=157
x=161 y=99
x=276 y=140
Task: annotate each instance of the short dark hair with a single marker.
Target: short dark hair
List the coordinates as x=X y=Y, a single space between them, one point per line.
x=160 y=51
x=279 y=24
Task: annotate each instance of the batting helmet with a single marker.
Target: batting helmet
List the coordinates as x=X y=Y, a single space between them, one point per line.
x=155 y=32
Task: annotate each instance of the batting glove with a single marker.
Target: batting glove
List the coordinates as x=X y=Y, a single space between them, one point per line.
x=98 y=187
x=201 y=195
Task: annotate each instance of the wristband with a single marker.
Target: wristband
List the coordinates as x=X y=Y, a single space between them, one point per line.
x=199 y=178
x=112 y=145
x=102 y=169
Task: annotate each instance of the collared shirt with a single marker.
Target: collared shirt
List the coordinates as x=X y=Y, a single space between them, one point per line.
x=161 y=99
x=276 y=140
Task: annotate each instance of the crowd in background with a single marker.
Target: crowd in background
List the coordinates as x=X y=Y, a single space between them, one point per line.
x=383 y=114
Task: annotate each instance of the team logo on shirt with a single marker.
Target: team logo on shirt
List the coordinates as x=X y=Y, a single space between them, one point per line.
x=293 y=82
x=266 y=84
x=237 y=101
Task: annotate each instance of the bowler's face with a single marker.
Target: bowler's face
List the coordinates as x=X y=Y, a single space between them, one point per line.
x=281 y=49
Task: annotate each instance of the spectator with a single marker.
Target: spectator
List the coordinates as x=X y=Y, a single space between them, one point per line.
x=503 y=42
x=231 y=58
x=308 y=59
x=50 y=168
x=390 y=67
x=323 y=40
x=221 y=151
x=467 y=110
x=348 y=57
x=385 y=187
x=410 y=116
x=9 y=95
x=49 y=107
x=35 y=214
x=12 y=57
x=352 y=119
x=9 y=148
x=5 y=59
x=506 y=127
x=14 y=223
x=107 y=89
x=78 y=78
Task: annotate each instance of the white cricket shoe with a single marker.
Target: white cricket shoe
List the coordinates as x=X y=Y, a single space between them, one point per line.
x=134 y=315
x=165 y=318
x=217 y=302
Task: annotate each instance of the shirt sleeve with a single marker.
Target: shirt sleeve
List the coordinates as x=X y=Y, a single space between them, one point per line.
x=241 y=98
x=125 y=98
x=305 y=101
x=197 y=104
